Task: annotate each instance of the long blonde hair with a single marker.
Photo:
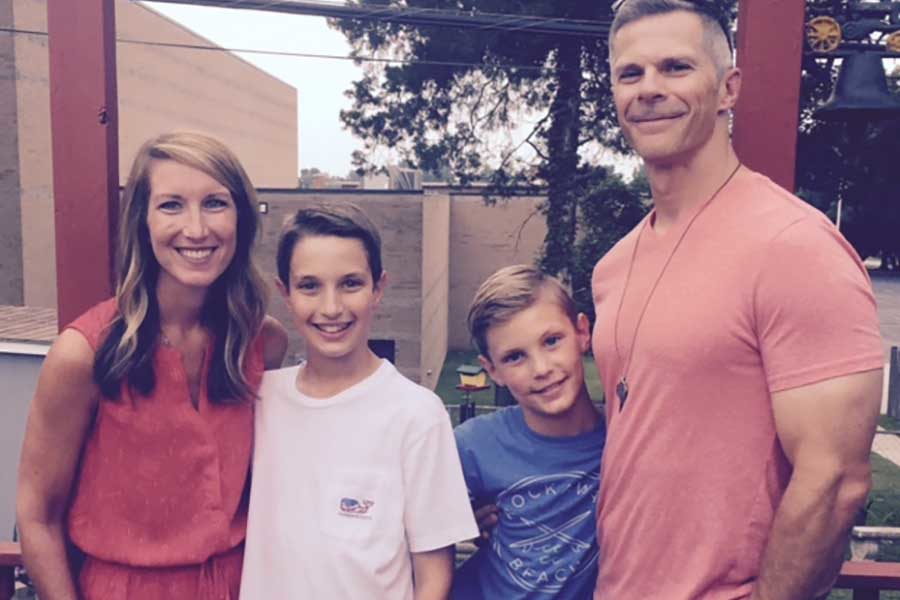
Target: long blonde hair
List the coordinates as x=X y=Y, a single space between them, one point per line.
x=235 y=303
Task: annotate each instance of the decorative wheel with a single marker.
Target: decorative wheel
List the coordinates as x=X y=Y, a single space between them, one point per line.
x=823 y=34
x=892 y=42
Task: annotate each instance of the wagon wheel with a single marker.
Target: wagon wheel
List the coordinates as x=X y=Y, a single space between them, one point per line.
x=823 y=34
x=892 y=42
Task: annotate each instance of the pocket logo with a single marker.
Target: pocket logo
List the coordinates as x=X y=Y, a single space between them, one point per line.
x=351 y=507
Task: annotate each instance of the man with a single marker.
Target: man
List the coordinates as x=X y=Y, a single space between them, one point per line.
x=737 y=339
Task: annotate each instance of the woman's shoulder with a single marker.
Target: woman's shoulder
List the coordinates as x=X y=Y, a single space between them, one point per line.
x=273 y=339
x=67 y=371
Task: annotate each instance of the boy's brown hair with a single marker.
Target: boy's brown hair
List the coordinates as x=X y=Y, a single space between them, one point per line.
x=345 y=220
x=506 y=293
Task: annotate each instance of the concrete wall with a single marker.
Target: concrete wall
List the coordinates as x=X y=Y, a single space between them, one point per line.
x=399 y=218
x=19 y=373
x=483 y=239
x=38 y=248
x=159 y=89
x=435 y=286
x=438 y=248
x=10 y=211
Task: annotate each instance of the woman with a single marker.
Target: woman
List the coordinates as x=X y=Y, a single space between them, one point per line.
x=138 y=442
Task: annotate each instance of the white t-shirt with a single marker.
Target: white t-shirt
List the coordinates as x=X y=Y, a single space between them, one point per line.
x=344 y=488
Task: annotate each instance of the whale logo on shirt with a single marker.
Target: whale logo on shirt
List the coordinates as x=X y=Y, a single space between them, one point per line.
x=352 y=506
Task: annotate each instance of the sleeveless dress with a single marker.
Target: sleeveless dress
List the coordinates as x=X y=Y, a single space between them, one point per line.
x=159 y=504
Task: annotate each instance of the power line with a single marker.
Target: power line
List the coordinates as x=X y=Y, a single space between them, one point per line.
x=421 y=16
x=372 y=59
x=388 y=7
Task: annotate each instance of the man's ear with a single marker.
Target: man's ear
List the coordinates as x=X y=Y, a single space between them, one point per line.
x=583 y=332
x=491 y=370
x=731 y=89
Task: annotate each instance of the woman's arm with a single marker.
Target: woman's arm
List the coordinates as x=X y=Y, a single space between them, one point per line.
x=275 y=342
x=433 y=573
x=58 y=421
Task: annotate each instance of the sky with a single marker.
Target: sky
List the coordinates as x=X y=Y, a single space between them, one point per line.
x=320 y=83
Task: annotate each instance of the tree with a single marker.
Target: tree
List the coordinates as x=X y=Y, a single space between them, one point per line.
x=854 y=162
x=446 y=106
x=453 y=116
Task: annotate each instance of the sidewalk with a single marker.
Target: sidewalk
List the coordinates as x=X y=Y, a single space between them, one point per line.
x=887 y=294
x=887 y=446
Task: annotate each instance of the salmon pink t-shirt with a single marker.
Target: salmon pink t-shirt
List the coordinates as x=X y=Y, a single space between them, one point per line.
x=762 y=295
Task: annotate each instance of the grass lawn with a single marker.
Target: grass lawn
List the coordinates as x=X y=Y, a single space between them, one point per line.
x=884 y=509
x=889 y=422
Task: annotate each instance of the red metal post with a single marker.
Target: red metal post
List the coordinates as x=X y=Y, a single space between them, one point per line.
x=84 y=124
x=769 y=53
x=10 y=558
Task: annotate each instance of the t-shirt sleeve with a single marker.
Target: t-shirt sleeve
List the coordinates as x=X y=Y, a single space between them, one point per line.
x=438 y=512
x=465 y=442
x=814 y=308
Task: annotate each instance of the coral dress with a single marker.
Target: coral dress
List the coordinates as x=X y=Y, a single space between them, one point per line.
x=160 y=502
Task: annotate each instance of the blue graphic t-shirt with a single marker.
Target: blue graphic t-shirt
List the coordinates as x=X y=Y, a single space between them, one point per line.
x=545 y=544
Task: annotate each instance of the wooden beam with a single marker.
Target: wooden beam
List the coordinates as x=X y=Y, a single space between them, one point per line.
x=769 y=52
x=84 y=124
x=10 y=558
x=869 y=575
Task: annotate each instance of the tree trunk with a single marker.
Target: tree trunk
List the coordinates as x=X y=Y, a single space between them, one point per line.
x=561 y=170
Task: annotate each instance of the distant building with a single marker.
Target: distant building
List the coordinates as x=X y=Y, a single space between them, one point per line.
x=160 y=89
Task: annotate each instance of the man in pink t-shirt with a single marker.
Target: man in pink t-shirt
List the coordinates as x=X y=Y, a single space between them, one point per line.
x=737 y=339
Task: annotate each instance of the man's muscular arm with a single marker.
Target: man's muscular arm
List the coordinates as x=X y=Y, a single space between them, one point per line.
x=826 y=432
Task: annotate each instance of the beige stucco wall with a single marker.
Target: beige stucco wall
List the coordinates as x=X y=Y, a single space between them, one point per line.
x=435 y=284
x=34 y=148
x=483 y=239
x=399 y=218
x=159 y=89
x=10 y=210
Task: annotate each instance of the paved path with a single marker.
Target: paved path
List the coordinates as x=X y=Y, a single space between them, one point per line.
x=888 y=446
x=887 y=292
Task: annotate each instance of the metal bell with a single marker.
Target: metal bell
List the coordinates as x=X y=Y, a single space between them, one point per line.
x=861 y=92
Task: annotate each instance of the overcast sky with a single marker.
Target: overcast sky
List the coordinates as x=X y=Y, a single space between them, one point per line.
x=320 y=83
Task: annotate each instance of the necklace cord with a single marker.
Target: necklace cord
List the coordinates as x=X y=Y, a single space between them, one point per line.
x=622 y=387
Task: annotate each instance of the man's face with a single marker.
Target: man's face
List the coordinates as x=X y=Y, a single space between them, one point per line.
x=666 y=87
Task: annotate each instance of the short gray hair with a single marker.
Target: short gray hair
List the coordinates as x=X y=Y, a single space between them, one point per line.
x=716 y=25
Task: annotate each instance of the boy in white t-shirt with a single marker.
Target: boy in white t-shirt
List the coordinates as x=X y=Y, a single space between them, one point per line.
x=357 y=487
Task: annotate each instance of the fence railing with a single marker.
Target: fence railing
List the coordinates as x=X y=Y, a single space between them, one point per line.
x=865 y=578
x=10 y=558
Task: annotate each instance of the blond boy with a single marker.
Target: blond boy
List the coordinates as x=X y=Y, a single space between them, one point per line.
x=537 y=462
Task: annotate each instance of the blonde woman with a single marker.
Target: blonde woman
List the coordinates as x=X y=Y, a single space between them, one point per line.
x=137 y=448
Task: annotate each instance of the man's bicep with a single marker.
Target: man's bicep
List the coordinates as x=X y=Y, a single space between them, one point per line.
x=829 y=421
x=814 y=313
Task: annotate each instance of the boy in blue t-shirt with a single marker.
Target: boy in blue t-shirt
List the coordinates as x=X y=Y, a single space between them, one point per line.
x=532 y=468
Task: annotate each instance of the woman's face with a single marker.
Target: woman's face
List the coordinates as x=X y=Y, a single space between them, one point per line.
x=192 y=220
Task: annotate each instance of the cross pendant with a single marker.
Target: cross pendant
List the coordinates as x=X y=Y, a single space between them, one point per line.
x=622 y=392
